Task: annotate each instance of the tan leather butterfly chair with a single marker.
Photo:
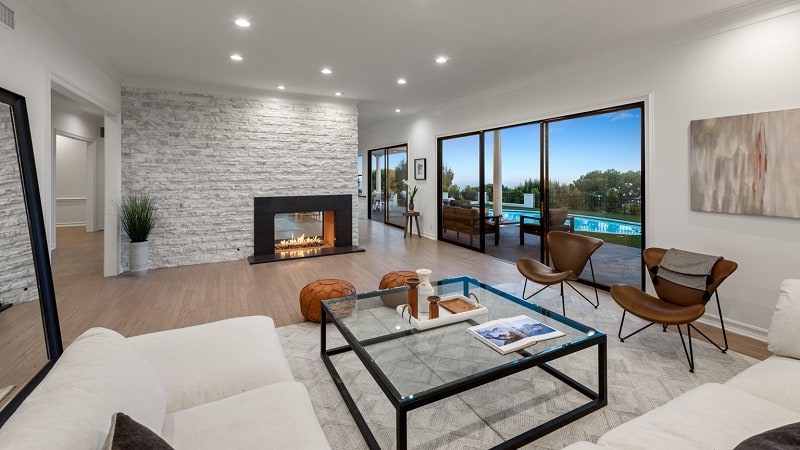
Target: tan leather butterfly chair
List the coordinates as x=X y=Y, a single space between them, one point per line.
x=569 y=253
x=675 y=304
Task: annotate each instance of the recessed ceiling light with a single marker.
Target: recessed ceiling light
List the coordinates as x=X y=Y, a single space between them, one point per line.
x=281 y=87
x=242 y=22
x=441 y=59
x=326 y=70
x=397 y=110
x=338 y=94
x=401 y=81
x=236 y=57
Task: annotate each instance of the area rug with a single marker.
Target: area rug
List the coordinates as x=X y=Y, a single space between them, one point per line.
x=644 y=372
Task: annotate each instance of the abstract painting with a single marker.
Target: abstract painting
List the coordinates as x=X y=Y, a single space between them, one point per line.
x=747 y=164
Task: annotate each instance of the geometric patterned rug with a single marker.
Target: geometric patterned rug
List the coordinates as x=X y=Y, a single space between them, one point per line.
x=644 y=372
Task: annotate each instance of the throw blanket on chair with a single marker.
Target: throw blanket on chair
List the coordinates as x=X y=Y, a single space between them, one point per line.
x=687 y=268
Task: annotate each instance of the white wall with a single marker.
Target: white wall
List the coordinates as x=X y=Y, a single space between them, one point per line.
x=99 y=184
x=71 y=189
x=751 y=68
x=36 y=55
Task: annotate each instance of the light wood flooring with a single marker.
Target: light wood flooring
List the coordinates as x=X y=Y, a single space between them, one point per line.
x=182 y=296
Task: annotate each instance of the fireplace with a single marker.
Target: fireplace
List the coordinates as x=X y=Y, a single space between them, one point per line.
x=302 y=227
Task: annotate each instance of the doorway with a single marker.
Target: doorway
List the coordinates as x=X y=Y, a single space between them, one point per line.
x=388 y=184
x=72 y=183
x=78 y=186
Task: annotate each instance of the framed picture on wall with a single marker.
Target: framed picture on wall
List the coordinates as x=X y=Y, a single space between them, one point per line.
x=419 y=169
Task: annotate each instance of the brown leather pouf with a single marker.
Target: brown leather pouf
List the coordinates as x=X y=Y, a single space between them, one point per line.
x=392 y=280
x=319 y=290
x=396 y=279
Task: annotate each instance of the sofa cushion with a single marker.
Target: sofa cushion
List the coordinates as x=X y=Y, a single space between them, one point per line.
x=709 y=416
x=99 y=374
x=128 y=434
x=786 y=437
x=275 y=416
x=784 y=333
x=212 y=361
x=775 y=379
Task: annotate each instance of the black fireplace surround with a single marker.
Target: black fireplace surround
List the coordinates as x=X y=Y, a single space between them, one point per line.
x=264 y=212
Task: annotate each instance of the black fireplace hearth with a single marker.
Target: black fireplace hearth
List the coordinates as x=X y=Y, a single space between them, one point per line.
x=336 y=212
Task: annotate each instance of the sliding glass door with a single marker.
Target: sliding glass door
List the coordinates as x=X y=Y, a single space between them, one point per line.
x=461 y=180
x=513 y=189
x=581 y=173
x=595 y=172
x=388 y=168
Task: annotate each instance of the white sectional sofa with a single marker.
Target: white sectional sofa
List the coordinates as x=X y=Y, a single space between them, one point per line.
x=720 y=416
x=225 y=384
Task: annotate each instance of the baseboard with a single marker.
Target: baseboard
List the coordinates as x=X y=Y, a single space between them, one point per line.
x=70 y=224
x=734 y=326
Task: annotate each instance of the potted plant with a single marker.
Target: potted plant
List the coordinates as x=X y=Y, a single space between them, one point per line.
x=411 y=195
x=411 y=199
x=137 y=214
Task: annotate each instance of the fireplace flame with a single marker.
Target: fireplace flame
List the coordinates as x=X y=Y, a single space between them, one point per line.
x=299 y=242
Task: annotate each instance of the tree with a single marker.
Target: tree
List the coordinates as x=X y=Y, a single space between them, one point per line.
x=447 y=177
x=397 y=175
x=452 y=191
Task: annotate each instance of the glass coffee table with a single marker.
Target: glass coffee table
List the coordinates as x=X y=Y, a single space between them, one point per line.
x=415 y=367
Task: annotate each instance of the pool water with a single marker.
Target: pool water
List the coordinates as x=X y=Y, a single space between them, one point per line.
x=586 y=223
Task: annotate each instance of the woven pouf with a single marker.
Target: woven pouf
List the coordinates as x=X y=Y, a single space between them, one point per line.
x=396 y=279
x=316 y=291
x=392 y=280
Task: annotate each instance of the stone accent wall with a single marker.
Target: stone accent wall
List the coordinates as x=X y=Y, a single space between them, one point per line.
x=17 y=277
x=205 y=157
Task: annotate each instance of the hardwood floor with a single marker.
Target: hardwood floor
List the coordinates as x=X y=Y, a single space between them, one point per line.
x=190 y=295
x=182 y=296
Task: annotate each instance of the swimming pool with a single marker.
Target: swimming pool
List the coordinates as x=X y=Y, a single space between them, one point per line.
x=586 y=223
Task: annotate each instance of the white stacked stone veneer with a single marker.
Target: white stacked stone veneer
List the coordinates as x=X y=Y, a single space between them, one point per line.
x=17 y=278
x=205 y=157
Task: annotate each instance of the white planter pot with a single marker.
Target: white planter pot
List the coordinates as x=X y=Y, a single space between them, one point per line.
x=139 y=255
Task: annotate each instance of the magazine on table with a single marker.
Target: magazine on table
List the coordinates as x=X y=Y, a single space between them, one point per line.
x=513 y=333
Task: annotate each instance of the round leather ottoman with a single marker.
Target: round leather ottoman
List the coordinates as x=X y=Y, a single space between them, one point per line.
x=316 y=291
x=392 y=280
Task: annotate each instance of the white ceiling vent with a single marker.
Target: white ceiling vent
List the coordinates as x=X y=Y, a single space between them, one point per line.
x=6 y=16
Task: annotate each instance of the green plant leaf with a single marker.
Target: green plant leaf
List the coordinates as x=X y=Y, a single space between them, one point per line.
x=137 y=214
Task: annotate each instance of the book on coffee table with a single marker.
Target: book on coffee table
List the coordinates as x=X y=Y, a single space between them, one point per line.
x=513 y=333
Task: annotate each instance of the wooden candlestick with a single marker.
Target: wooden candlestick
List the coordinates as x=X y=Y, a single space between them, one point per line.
x=412 y=296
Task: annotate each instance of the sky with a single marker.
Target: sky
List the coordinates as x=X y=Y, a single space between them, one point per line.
x=577 y=146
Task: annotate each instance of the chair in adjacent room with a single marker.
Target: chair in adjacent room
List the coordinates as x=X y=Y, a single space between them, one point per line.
x=569 y=253
x=674 y=304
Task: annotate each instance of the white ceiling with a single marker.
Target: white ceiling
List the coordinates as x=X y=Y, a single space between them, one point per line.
x=367 y=43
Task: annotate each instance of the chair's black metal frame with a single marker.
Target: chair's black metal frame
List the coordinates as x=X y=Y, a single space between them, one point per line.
x=689 y=352
x=594 y=303
x=405 y=404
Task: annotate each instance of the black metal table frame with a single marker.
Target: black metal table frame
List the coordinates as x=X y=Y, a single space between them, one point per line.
x=403 y=406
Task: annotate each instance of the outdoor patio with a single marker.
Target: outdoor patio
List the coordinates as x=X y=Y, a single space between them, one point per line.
x=613 y=264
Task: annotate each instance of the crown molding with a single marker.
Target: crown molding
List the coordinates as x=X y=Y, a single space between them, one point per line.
x=230 y=91
x=60 y=18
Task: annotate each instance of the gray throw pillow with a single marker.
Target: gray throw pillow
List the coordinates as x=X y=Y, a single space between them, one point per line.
x=128 y=434
x=786 y=437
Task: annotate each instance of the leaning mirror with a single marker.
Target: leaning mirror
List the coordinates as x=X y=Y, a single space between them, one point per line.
x=30 y=340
